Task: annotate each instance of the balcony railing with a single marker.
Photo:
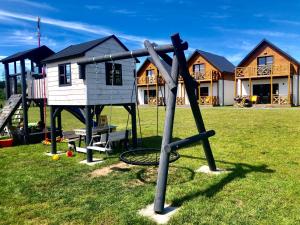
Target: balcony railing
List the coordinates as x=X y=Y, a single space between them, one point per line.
x=208 y=100
x=263 y=71
x=153 y=101
x=180 y=101
x=150 y=80
x=281 y=100
x=208 y=75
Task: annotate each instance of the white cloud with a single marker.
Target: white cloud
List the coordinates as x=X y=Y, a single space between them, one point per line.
x=124 y=11
x=256 y=32
x=235 y=58
x=39 y=5
x=288 y=22
x=93 y=7
x=78 y=26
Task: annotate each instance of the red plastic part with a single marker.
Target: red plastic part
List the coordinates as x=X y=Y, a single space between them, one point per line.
x=6 y=143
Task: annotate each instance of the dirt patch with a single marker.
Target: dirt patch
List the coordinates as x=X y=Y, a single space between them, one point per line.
x=133 y=183
x=121 y=166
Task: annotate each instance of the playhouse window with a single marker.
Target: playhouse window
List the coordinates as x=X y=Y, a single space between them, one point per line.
x=64 y=72
x=199 y=68
x=113 y=76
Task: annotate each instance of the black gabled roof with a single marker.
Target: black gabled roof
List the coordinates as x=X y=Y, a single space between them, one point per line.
x=167 y=66
x=220 y=62
x=265 y=41
x=35 y=54
x=74 y=51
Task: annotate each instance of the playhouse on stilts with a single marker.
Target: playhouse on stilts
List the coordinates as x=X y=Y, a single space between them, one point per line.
x=25 y=68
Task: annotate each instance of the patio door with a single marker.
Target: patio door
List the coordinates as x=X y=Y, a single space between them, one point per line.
x=263 y=91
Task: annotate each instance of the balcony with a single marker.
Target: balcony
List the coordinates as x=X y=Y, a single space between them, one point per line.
x=207 y=76
x=263 y=71
x=150 y=80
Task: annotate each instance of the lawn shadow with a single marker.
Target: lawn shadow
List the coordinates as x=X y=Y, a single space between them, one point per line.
x=239 y=171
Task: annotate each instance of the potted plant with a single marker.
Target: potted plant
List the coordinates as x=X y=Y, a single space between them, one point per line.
x=6 y=141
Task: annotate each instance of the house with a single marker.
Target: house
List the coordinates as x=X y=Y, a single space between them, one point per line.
x=213 y=73
x=87 y=88
x=270 y=74
x=215 y=77
x=151 y=85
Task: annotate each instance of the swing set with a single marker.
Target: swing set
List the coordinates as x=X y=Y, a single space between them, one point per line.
x=167 y=153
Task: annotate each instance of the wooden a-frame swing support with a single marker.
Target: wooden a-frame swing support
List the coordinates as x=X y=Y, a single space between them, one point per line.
x=179 y=66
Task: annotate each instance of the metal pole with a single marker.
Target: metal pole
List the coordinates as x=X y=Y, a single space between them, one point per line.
x=53 y=130
x=130 y=54
x=24 y=101
x=190 y=87
x=162 y=177
x=133 y=125
x=88 y=129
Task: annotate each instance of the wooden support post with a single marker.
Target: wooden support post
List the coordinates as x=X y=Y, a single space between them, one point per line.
x=88 y=130
x=250 y=87
x=24 y=102
x=199 y=92
x=162 y=176
x=190 y=89
x=53 y=130
x=7 y=80
x=289 y=89
x=241 y=87
x=211 y=89
x=271 y=89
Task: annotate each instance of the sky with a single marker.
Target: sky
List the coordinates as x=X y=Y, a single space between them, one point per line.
x=227 y=27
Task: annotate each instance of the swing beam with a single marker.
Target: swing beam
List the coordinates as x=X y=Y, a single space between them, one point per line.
x=179 y=66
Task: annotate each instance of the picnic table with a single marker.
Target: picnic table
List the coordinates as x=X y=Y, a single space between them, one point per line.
x=96 y=131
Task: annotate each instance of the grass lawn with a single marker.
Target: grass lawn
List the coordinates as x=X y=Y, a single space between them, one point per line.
x=259 y=147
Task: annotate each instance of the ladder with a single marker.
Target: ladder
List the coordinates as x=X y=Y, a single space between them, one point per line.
x=10 y=107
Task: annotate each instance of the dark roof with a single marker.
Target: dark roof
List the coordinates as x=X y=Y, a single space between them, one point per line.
x=167 y=66
x=79 y=50
x=35 y=54
x=220 y=62
x=265 y=41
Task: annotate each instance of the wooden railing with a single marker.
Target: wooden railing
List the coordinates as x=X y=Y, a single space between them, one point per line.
x=263 y=71
x=153 y=100
x=150 y=80
x=180 y=101
x=35 y=88
x=281 y=100
x=209 y=75
x=208 y=100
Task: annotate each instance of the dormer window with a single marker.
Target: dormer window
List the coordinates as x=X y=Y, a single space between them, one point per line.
x=199 y=68
x=64 y=73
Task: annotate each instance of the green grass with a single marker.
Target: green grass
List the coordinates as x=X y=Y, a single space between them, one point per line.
x=259 y=147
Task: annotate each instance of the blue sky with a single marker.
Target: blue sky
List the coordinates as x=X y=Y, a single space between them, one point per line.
x=227 y=27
